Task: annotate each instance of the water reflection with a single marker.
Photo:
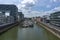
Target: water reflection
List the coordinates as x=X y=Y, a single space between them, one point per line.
x=10 y=34
x=35 y=33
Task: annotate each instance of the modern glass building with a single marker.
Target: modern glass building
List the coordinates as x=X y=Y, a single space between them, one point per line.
x=7 y=11
x=55 y=18
x=20 y=16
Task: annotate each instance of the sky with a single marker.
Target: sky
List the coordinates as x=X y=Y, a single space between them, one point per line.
x=32 y=8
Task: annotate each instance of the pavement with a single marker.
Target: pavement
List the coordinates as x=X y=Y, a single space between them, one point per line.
x=52 y=26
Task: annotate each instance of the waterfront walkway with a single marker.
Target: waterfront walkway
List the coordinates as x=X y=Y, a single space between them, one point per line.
x=53 y=29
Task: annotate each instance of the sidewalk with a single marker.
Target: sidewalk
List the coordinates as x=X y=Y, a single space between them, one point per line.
x=52 y=26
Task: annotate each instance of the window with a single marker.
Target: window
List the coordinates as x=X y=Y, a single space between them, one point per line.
x=7 y=13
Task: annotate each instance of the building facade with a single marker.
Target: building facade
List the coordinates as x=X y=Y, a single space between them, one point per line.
x=9 y=19
x=55 y=18
x=20 y=16
x=12 y=10
x=46 y=18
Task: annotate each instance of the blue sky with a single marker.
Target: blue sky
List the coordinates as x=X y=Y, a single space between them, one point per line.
x=46 y=5
x=29 y=7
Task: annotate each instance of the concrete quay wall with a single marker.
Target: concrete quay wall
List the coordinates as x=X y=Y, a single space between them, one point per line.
x=7 y=27
x=50 y=29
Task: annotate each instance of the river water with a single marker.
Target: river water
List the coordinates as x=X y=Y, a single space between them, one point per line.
x=34 y=33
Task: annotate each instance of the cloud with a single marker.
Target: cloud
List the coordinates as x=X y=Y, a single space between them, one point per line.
x=29 y=13
x=28 y=1
x=26 y=4
x=9 y=2
x=33 y=14
x=25 y=7
x=48 y=6
x=54 y=0
x=56 y=9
